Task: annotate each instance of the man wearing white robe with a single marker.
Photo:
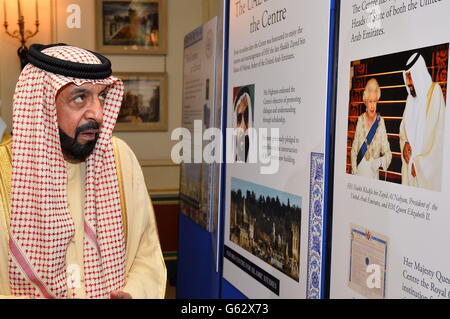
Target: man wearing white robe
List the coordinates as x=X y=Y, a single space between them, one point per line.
x=146 y=273
x=115 y=252
x=422 y=128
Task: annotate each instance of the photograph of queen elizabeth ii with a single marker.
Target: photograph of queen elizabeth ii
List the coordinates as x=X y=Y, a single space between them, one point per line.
x=370 y=147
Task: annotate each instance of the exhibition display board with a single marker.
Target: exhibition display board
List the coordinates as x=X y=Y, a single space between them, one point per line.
x=390 y=208
x=200 y=176
x=199 y=184
x=277 y=128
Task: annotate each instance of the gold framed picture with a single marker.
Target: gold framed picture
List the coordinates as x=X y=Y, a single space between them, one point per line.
x=131 y=26
x=144 y=104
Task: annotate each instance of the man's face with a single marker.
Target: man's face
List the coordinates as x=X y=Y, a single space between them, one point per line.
x=410 y=84
x=242 y=114
x=79 y=111
x=242 y=110
x=371 y=103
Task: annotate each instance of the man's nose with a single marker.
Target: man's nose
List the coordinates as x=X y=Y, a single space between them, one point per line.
x=95 y=111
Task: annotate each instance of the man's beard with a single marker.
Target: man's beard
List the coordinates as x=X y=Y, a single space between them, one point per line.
x=74 y=150
x=242 y=147
x=412 y=90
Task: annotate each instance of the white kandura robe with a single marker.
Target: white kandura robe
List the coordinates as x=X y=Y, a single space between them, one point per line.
x=427 y=158
x=145 y=269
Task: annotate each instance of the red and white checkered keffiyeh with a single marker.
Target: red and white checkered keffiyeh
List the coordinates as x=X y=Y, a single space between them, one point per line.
x=41 y=225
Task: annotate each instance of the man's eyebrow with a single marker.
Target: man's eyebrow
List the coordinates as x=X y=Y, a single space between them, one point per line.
x=78 y=90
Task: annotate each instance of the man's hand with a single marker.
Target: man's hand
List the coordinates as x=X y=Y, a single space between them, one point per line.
x=413 y=171
x=407 y=150
x=120 y=295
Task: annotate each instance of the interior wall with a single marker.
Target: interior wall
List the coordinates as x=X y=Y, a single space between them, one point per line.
x=151 y=148
x=9 y=61
x=212 y=8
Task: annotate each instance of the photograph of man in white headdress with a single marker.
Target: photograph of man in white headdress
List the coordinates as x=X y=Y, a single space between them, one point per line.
x=242 y=121
x=422 y=127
